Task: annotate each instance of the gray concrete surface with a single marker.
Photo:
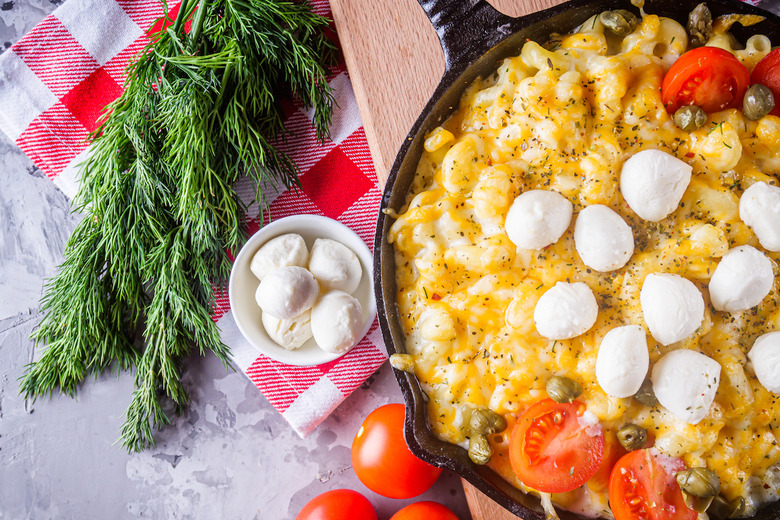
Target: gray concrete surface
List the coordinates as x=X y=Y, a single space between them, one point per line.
x=230 y=455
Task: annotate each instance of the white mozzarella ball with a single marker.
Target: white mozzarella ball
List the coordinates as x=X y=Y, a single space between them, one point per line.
x=565 y=311
x=759 y=208
x=653 y=182
x=741 y=280
x=622 y=361
x=335 y=265
x=673 y=307
x=602 y=238
x=336 y=322
x=765 y=357
x=281 y=251
x=685 y=383
x=287 y=292
x=538 y=218
x=288 y=333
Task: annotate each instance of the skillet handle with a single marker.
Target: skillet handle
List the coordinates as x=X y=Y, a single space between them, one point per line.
x=465 y=27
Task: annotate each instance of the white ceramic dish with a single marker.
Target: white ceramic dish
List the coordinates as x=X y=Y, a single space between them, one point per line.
x=243 y=285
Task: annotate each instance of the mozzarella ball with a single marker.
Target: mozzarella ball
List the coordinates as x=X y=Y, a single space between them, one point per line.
x=622 y=361
x=286 y=292
x=335 y=265
x=288 y=333
x=281 y=251
x=538 y=218
x=741 y=280
x=336 y=322
x=565 y=311
x=602 y=238
x=765 y=357
x=759 y=208
x=653 y=182
x=672 y=306
x=685 y=383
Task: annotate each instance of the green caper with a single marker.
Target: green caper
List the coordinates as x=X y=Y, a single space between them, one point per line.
x=632 y=437
x=721 y=509
x=620 y=22
x=698 y=504
x=758 y=102
x=690 y=117
x=645 y=394
x=699 y=482
x=699 y=25
x=562 y=389
x=480 y=450
x=485 y=421
x=403 y=362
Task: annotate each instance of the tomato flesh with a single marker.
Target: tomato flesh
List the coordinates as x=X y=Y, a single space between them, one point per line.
x=382 y=460
x=708 y=77
x=642 y=487
x=551 y=451
x=767 y=73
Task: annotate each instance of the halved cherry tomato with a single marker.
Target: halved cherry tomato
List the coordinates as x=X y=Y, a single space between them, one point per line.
x=551 y=450
x=338 y=504
x=767 y=72
x=425 y=511
x=612 y=453
x=708 y=77
x=642 y=487
x=382 y=461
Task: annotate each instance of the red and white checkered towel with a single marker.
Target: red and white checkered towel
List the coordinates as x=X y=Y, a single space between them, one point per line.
x=55 y=82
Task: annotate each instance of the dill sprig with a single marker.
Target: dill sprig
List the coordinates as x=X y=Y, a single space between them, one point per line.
x=201 y=107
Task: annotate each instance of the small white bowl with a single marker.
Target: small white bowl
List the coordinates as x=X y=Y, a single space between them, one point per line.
x=243 y=285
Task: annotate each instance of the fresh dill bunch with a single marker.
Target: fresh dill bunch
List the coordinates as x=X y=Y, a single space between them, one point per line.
x=200 y=109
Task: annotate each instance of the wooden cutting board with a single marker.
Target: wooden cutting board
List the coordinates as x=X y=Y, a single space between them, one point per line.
x=395 y=62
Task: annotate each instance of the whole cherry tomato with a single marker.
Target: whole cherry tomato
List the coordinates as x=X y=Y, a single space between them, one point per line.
x=382 y=460
x=767 y=72
x=338 y=504
x=425 y=511
x=642 y=485
x=551 y=451
x=708 y=77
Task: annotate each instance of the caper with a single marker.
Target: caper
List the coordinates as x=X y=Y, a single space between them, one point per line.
x=699 y=482
x=485 y=421
x=562 y=389
x=698 y=504
x=699 y=25
x=690 y=117
x=645 y=394
x=758 y=102
x=721 y=509
x=620 y=22
x=480 y=450
x=403 y=362
x=632 y=437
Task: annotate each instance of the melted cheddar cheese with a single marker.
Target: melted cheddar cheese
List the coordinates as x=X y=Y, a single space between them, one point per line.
x=565 y=120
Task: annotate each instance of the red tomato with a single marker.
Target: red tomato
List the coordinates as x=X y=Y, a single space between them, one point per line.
x=708 y=77
x=642 y=487
x=613 y=450
x=383 y=462
x=767 y=72
x=338 y=504
x=425 y=511
x=551 y=451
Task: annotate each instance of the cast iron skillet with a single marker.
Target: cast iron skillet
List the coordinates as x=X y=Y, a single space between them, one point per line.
x=475 y=38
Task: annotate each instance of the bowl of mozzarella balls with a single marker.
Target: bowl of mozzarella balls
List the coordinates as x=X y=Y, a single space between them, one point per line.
x=301 y=290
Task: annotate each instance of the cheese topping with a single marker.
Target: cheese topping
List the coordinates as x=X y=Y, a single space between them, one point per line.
x=565 y=311
x=759 y=208
x=672 y=306
x=537 y=219
x=742 y=279
x=653 y=183
x=622 y=361
x=765 y=357
x=685 y=383
x=602 y=238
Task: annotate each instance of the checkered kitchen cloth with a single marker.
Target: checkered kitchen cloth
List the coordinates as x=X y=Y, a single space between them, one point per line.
x=54 y=84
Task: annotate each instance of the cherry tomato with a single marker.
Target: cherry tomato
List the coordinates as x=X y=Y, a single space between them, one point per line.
x=767 y=72
x=551 y=451
x=382 y=460
x=612 y=453
x=338 y=504
x=642 y=487
x=425 y=511
x=707 y=77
